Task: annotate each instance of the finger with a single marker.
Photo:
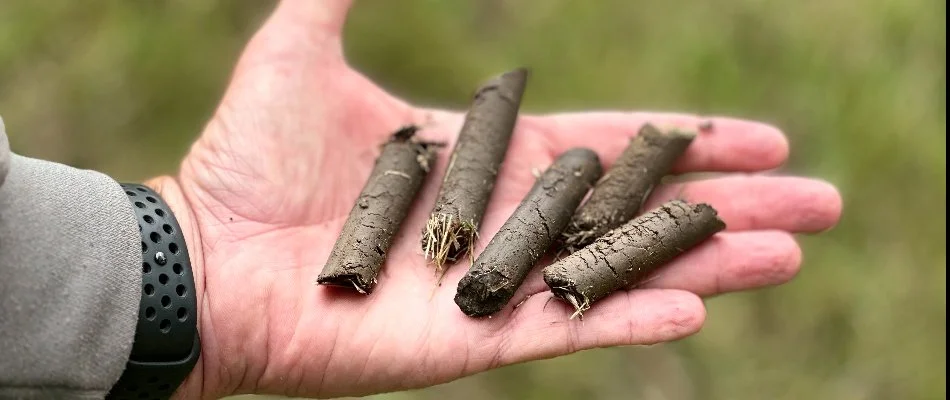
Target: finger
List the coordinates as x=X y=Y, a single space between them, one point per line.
x=541 y=327
x=730 y=262
x=730 y=145
x=761 y=202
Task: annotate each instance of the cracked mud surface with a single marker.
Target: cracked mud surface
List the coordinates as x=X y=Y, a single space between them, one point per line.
x=397 y=176
x=619 y=194
x=528 y=234
x=473 y=168
x=628 y=254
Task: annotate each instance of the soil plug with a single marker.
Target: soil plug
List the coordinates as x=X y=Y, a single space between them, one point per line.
x=618 y=196
x=397 y=176
x=470 y=177
x=528 y=234
x=626 y=255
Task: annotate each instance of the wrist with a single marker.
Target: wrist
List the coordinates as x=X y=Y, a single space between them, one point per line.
x=195 y=384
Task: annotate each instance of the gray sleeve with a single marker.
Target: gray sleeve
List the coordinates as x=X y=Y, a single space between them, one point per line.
x=4 y=153
x=70 y=276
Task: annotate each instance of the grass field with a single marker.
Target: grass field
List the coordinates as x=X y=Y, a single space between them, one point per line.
x=858 y=85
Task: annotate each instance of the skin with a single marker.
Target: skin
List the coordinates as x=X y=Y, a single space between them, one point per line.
x=265 y=190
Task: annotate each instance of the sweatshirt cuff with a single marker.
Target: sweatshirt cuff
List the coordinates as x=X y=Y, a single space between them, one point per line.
x=4 y=153
x=70 y=278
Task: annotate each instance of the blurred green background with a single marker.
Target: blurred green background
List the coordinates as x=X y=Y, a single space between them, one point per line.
x=858 y=85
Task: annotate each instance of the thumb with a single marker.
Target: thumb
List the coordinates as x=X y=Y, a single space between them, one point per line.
x=302 y=29
x=315 y=19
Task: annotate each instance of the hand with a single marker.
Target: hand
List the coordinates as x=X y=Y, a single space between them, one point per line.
x=266 y=189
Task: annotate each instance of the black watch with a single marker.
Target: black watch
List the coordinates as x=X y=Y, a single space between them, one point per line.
x=166 y=345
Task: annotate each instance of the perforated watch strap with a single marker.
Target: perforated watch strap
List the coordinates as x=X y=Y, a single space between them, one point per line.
x=166 y=345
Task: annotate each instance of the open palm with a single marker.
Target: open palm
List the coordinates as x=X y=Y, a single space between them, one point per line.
x=271 y=181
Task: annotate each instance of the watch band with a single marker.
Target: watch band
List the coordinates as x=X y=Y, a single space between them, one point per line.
x=166 y=345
